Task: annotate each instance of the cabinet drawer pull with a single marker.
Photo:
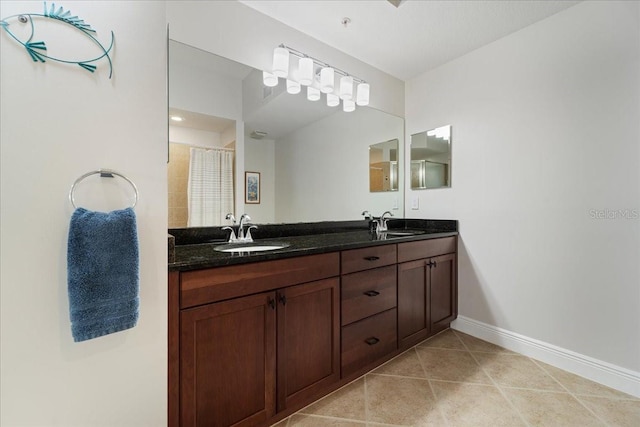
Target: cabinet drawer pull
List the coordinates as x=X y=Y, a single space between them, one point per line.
x=372 y=340
x=372 y=258
x=372 y=293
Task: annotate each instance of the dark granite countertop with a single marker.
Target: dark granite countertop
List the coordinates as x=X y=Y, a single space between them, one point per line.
x=195 y=247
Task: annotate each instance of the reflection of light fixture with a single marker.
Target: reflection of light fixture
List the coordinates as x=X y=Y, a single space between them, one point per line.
x=313 y=94
x=280 y=62
x=348 y=105
x=269 y=79
x=333 y=100
x=293 y=87
x=177 y=119
x=319 y=77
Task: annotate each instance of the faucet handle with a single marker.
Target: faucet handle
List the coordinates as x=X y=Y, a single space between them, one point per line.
x=248 y=237
x=367 y=215
x=232 y=235
x=231 y=217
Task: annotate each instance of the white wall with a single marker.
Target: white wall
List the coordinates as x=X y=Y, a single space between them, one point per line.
x=260 y=157
x=237 y=32
x=545 y=130
x=195 y=137
x=332 y=157
x=58 y=122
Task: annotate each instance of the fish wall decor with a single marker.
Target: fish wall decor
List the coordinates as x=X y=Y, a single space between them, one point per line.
x=37 y=50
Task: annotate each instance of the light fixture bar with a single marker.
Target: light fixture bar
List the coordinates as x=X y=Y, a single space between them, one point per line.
x=322 y=64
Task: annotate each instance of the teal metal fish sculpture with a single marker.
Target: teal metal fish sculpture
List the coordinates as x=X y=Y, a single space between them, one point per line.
x=37 y=50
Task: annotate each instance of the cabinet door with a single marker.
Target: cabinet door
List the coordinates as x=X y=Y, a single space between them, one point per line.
x=227 y=362
x=308 y=340
x=413 y=311
x=443 y=298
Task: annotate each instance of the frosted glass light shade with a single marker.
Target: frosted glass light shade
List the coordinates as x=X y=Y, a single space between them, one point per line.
x=346 y=88
x=293 y=87
x=327 y=79
x=333 y=100
x=269 y=79
x=305 y=71
x=313 y=94
x=280 y=62
x=362 y=94
x=348 y=105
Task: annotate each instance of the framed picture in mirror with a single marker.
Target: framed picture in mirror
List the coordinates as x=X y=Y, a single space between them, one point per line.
x=252 y=187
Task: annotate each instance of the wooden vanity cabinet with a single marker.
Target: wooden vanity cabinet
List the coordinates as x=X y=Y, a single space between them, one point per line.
x=427 y=288
x=244 y=358
x=228 y=362
x=368 y=305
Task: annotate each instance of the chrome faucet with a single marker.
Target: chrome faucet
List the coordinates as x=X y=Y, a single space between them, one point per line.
x=241 y=237
x=382 y=222
x=232 y=235
x=379 y=224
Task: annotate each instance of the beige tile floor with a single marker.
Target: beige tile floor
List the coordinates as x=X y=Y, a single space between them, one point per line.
x=456 y=380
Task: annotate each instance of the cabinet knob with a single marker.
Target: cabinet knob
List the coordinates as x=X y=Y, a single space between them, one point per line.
x=282 y=299
x=372 y=340
x=372 y=258
x=272 y=303
x=372 y=293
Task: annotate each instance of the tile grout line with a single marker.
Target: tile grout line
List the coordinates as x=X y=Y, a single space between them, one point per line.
x=495 y=384
x=435 y=396
x=570 y=393
x=366 y=400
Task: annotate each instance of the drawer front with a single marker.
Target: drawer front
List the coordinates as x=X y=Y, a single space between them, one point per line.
x=367 y=293
x=216 y=284
x=426 y=248
x=368 y=340
x=367 y=258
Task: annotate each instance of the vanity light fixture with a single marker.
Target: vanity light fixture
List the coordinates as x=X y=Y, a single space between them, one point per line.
x=327 y=79
x=362 y=94
x=346 y=88
x=319 y=77
x=305 y=71
x=281 y=62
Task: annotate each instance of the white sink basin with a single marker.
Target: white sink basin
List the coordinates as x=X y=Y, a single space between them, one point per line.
x=240 y=247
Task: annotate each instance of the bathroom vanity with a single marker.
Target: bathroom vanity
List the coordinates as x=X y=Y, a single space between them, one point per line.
x=255 y=336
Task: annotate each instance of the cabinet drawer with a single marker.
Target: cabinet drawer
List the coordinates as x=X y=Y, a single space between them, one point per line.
x=221 y=283
x=426 y=248
x=367 y=258
x=368 y=340
x=368 y=292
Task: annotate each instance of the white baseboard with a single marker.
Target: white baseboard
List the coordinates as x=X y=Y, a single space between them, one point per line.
x=613 y=376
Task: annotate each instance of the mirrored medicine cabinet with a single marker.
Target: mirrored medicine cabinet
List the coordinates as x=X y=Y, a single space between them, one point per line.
x=431 y=159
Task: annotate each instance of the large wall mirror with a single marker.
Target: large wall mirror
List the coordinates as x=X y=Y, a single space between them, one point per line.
x=431 y=159
x=313 y=160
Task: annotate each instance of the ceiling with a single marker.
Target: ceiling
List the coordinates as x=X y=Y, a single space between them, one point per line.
x=413 y=38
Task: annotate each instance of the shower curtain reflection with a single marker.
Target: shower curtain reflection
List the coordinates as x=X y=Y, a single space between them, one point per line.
x=210 y=188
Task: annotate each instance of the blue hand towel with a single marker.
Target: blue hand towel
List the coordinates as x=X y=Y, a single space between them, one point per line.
x=102 y=272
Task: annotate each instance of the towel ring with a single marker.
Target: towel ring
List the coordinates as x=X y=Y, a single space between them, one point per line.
x=108 y=173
